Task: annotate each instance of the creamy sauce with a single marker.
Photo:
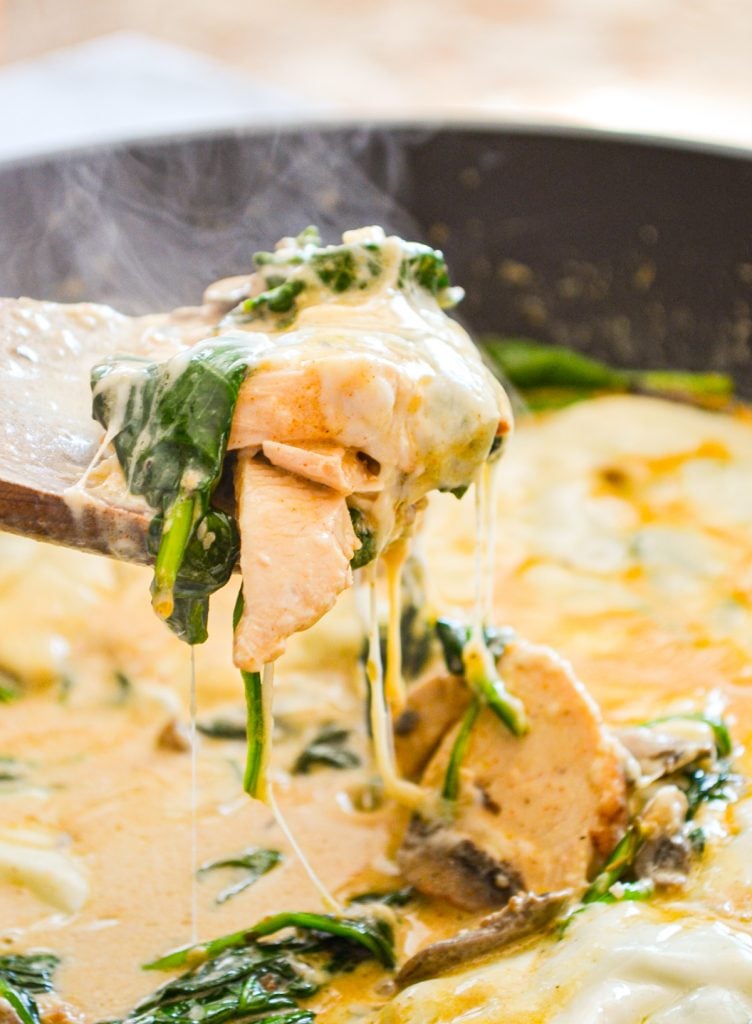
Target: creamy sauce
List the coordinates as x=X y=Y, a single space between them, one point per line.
x=650 y=628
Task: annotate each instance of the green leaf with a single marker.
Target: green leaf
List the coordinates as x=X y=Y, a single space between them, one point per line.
x=530 y=364
x=453 y=636
x=620 y=861
x=256 y=732
x=303 y=271
x=207 y=563
x=370 y=933
x=327 y=748
x=170 y=423
x=389 y=898
x=367 y=537
x=223 y=729
x=31 y=971
x=706 y=785
x=480 y=671
x=21 y=977
x=553 y=376
x=20 y=1001
x=451 y=788
x=254 y=862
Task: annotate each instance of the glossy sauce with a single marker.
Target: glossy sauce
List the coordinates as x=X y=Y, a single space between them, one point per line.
x=625 y=544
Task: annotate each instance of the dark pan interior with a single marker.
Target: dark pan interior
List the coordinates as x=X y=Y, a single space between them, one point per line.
x=637 y=251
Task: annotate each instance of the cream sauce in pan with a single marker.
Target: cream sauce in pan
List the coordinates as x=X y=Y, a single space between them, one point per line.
x=624 y=541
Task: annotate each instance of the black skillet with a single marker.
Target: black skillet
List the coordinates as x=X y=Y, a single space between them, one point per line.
x=635 y=250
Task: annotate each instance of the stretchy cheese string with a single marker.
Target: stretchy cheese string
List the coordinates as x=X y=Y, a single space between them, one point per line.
x=194 y=801
x=394 y=685
x=267 y=794
x=406 y=793
x=329 y=902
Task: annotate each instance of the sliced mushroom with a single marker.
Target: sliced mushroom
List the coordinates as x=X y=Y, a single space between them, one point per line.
x=440 y=861
x=536 y=812
x=665 y=857
x=666 y=861
x=667 y=747
x=524 y=914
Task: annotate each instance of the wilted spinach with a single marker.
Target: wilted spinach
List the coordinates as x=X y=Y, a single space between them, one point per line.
x=244 y=977
x=304 y=270
x=22 y=976
x=328 y=748
x=169 y=423
x=254 y=862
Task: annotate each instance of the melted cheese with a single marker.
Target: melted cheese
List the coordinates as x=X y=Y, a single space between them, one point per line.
x=652 y=602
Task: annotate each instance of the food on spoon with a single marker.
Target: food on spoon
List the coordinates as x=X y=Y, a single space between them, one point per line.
x=345 y=347
x=348 y=396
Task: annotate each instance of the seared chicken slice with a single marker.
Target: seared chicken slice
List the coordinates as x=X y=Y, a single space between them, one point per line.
x=297 y=544
x=327 y=464
x=536 y=812
x=433 y=706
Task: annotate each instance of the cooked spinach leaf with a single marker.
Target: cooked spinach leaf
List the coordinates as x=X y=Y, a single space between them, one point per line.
x=453 y=636
x=551 y=376
x=618 y=863
x=24 y=1005
x=367 y=550
x=450 y=789
x=257 y=727
x=22 y=976
x=479 y=669
x=222 y=729
x=169 y=423
x=389 y=898
x=11 y=770
x=32 y=971
x=328 y=749
x=703 y=785
x=246 y=976
x=372 y=934
x=303 y=270
x=254 y=862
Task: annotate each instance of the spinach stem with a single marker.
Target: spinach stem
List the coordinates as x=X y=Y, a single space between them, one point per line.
x=451 y=788
x=364 y=931
x=484 y=679
x=176 y=533
x=621 y=858
x=254 y=776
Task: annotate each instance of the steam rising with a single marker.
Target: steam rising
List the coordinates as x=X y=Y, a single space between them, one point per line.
x=146 y=228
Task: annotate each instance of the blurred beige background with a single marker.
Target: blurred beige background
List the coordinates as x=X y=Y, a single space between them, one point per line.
x=675 y=66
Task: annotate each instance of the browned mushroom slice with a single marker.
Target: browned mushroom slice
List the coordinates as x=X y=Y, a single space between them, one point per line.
x=433 y=706
x=665 y=857
x=668 y=746
x=524 y=914
x=444 y=862
x=535 y=812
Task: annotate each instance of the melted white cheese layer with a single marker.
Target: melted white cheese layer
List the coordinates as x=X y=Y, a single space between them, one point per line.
x=619 y=964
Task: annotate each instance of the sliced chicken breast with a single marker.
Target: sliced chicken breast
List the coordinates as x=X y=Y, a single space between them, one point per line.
x=295 y=559
x=536 y=812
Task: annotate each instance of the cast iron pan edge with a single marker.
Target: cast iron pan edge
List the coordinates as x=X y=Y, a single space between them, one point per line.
x=638 y=250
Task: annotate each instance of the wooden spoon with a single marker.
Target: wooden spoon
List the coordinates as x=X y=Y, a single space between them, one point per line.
x=47 y=435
